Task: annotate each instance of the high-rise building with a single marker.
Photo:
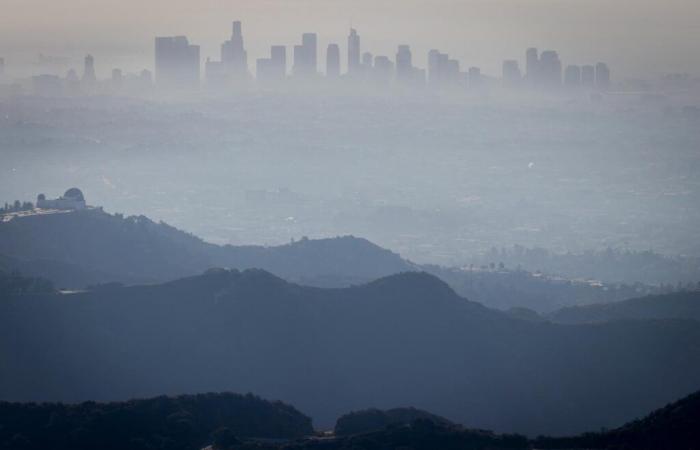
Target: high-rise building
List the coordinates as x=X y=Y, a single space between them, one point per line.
x=550 y=69
x=353 y=52
x=274 y=68
x=333 y=61
x=305 y=56
x=511 y=73
x=367 y=61
x=117 y=79
x=441 y=69
x=572 y=76
x=2 y=67
x=434 y=69
x=177 y=63
x=89 y=76
x=474 y=77
x=233 y=54
x=405 y=72
x=404 y=63
x=532 y=61
x=588 y=76
x=215 y=74
x=602 y=76
x=383 y=70
x=278 y=55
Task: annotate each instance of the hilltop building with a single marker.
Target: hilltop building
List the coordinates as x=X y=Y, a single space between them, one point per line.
x=72 y=199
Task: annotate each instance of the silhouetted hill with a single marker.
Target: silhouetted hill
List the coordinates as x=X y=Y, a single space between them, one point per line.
x=679 y=305
x=505 y=289
x=91 y=247
x=168 y=423
x=404 y=339
x=675 y=426
x=373 y=419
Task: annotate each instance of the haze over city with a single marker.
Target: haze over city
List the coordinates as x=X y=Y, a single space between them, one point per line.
x=336 y=225
x=642 y=37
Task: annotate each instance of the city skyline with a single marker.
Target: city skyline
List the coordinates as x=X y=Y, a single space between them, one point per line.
x=645 y=41
x=178 y=64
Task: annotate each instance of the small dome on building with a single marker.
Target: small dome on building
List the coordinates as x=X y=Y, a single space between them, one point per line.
x=74 y=194
x=41 y=197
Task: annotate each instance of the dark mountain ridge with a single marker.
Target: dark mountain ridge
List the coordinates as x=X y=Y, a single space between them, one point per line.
x=678 y=305
x=185 y=422
x=91 y=247
x=403 y=339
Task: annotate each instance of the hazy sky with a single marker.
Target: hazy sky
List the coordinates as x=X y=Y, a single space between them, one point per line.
x=636 y=37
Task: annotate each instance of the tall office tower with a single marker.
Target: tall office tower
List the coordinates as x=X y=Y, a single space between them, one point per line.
x=333 y=61
x=532 y=61
x=434 y=70
x=588 y=76
x=383 y=70
x=2 y=67
x=305 y=56
x=215 y=74
x=452 y=74
x=233 y=54
x=474 y=77
x=177 y=63
x=572 y=76
x=278 y=55
x=353 y=52
x=550 y=69
x=274 y=68
x=117 y=78
x=511 y=73
x=367 y=61
x=72 y=82
x=404 y=64
x=602 y=76
x=89 y=76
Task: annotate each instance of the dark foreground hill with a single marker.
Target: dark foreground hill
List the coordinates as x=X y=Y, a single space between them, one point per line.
x=235 y=422
x=91 y=247
x=674 y=427
x=685 y=305
x=187 y=422
x=402 y=340
x=373 y=419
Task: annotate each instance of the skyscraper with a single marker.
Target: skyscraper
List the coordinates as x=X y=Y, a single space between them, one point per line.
x=274 y=68
x=333 y=61
x=572 y=76
x=474 y=76
x=532 y=61
x=305 y=56
x=367 y=61
x=117 y=79
x=511 y=73
x=2 y=67
x=177 y=63
x=602 y=76
x=233 y=54
x=588 y=76
x=89 y=76
x=353 y=52
x=278 y=55
x=405 y=72
x=550 y=69
x=441 y=69
x=383 y=70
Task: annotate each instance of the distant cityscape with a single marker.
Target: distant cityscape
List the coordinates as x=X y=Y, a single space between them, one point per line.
x=178 y=68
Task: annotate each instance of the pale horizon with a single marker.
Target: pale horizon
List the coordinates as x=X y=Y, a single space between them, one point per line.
x=638 y=39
